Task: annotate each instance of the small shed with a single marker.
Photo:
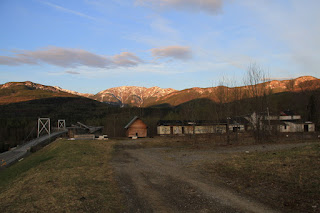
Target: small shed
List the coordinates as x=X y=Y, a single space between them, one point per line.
x=136 y=128
x=82 y=131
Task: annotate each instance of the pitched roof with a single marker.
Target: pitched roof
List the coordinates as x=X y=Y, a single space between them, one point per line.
x=131 y=122
x=287 y=112
x=91 y=129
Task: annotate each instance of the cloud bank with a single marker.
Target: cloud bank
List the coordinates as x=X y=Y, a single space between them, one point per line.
x=68 y=57
x=72 y=72
x=127 y=59
x=208 y=6
x=176 y=52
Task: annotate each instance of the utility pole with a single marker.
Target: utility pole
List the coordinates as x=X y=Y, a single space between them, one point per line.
x=228 y=136
x=269 y=121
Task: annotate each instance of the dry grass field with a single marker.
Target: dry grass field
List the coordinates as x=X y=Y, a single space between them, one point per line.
x=165 y=174
x=289 y=179
x=65 y=176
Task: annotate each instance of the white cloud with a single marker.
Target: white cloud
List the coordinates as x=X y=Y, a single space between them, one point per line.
x=126 y=59
x=72 y=72
x=208 y=6
x=176 y=52
x=63 y=9
x=68 y=57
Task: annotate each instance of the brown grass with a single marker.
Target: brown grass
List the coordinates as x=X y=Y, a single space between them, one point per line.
x=65 y=176
x=209 y=141
x=185 y=142
x=287 y=179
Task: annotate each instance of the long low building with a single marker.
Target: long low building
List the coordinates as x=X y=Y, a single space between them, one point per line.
x=286 y=122
x=290 y=126
x=178 y=127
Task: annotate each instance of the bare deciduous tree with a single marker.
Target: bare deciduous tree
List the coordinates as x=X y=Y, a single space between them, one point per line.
x=258 y=92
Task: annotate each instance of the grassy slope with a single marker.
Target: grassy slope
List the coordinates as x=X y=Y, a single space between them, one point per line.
x=64 y=176
x=22 y=93
x=289 y=179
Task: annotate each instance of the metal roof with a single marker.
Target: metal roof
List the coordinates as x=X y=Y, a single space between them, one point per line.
x=188 y=122
x=131 y=122
x=91 y=129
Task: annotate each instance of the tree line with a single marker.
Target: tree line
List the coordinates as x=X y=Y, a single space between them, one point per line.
x=18 y=121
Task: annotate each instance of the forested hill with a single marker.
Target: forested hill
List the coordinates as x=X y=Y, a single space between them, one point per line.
x=17 y=120
x=143 y=97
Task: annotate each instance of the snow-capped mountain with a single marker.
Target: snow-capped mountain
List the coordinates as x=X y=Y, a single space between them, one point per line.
x=142 y=96
x=133 y=95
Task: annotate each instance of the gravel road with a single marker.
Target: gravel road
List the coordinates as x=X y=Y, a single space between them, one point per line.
x=167 y=180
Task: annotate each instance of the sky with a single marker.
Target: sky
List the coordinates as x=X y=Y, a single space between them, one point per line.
x=91 y=45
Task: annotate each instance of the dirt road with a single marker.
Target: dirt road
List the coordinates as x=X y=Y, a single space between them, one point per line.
x=168 y=180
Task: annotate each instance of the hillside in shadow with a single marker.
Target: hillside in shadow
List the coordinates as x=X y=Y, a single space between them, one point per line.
x=18 y=120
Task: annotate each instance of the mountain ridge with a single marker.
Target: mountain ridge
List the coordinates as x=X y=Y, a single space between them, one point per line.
x=143 y=96
x=132 y=94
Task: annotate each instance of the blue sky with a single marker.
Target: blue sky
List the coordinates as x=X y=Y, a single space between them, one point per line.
x=92 y=45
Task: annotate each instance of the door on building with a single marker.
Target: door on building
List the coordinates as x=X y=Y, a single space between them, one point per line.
x=171 y=130
x=306 y=128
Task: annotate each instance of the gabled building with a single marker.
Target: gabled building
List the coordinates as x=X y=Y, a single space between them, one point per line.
x=136 y=128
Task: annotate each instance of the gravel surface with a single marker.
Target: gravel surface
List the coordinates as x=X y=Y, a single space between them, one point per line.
x=167 y=179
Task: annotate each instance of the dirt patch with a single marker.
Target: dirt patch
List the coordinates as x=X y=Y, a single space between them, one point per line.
x=133 y=202
x=168 y=180
x=184 y=197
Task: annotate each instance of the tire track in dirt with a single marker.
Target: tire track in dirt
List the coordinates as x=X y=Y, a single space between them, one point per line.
x=139 y=195
x=152 y=183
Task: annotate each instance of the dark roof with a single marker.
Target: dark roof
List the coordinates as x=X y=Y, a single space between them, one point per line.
x=287 y=112
x=187 y=122
x=91 y=129
x=234 y=120
x=240 y=120
x=273 y=122
x=170 y=122
x=284 y=123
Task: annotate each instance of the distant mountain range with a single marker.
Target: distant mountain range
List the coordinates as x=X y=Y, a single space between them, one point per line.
x=142 y=97
x=132 y=95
